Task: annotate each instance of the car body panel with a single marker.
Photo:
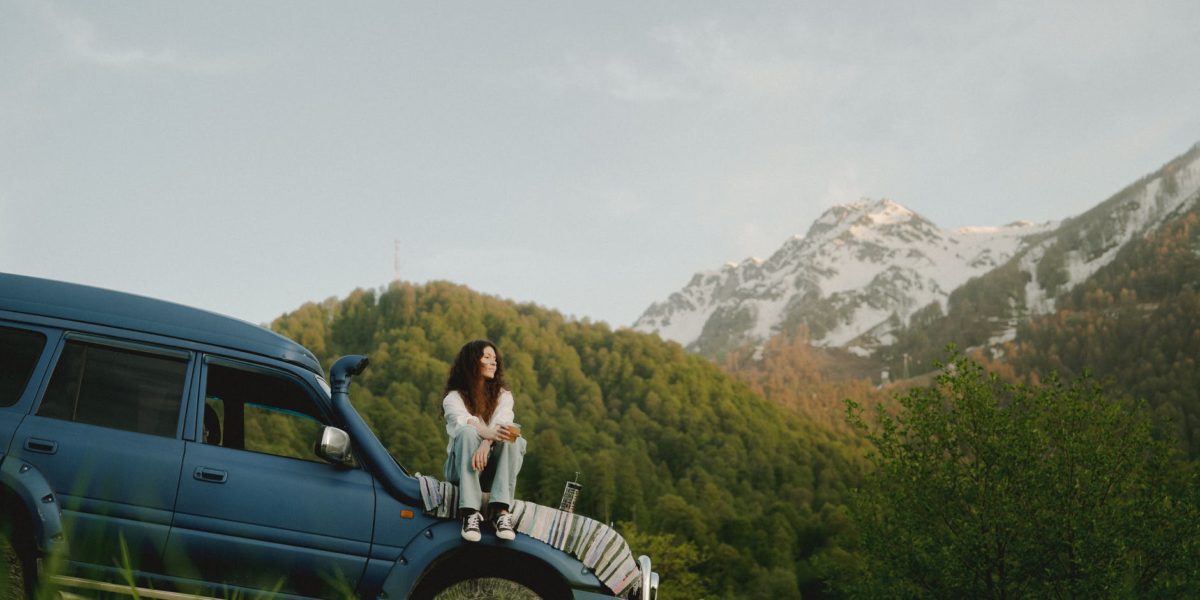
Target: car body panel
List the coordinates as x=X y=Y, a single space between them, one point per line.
x=99 y=476
x=273 y=519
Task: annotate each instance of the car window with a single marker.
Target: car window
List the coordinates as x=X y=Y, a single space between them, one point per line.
x=260 y=411
x=19 y=352
x=116 y=387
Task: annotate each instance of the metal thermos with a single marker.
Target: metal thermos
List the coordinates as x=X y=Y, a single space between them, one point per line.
x=570 y=495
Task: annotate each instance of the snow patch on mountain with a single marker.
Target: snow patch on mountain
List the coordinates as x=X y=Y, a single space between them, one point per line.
x=1142 y=210
x=863 y=269
x=858 y=273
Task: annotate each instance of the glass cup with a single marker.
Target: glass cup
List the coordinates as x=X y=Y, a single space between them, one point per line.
x=514 y=431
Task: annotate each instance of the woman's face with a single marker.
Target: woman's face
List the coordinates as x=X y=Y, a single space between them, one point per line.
x=487 y=363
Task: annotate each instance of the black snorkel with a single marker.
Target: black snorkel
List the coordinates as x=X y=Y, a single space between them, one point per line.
x=371 y=452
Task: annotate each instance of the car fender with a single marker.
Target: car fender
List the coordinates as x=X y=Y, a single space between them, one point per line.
x=24 y=481
x=443 y=540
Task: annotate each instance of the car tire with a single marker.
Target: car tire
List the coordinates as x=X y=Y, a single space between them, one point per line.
x=19 y=577
x=471 y=563
x=487 y=587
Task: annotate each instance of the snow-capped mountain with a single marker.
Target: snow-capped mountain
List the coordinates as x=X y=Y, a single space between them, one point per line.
x=1084 y=245
x=863 y=269
x=859 y=272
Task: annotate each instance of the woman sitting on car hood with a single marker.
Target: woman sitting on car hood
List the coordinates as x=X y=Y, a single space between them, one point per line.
x=485 y=448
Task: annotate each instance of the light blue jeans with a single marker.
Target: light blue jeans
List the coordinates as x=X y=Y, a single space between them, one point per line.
x=505 y=458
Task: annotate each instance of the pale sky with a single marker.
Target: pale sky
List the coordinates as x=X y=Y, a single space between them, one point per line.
x=247 y=157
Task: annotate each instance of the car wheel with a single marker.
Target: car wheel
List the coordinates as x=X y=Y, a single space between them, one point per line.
x=487 y=588
x=19 y=577
x=469 y=571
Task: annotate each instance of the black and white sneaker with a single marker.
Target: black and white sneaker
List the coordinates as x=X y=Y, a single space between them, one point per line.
x=504 y=527
x=470 y=530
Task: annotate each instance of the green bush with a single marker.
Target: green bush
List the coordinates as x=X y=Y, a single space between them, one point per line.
x=986 y=489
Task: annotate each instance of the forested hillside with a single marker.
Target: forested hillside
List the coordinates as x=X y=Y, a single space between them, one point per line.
x=743 y=497
x=809 y=381
x=1137 y=323
x=987 y=309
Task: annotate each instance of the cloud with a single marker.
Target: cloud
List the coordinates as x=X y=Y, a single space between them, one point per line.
x=843 y=187
x=618 y=78
x=613 y=203
x=707 y=60
x=82 y=42
x=675 y=64
x=720 y=59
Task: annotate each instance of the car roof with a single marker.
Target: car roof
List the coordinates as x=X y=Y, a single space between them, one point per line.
x=46 y=297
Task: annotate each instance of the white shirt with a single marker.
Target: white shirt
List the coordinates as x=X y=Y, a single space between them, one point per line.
x=458 y=417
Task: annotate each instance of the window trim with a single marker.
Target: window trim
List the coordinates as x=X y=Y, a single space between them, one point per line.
x=53 y=358
x=233 y=363
x=99 y=340
x=36 y=379
x=209 y=360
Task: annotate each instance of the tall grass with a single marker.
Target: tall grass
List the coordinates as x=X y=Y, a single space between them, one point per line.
x=10 y=576
x=11 y=588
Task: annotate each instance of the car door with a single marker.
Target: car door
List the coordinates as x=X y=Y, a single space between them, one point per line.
x=106 y=436
x=257 y=509
x=21 y=351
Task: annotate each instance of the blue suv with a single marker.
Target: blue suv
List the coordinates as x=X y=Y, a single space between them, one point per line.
x=151 y=449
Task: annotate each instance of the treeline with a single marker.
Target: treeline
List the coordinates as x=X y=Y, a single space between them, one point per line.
x=789 y=372
x=1137 y=323
x=738 y=497
x=975 y=312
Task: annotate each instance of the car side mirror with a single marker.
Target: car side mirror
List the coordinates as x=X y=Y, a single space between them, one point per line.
x=334 y=447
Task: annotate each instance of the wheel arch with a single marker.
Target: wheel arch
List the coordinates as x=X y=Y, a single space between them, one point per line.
x=23 y=488
x=439 y=557
x=473 y=562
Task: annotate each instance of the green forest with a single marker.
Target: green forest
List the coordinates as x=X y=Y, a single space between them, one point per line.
x=987 y=305
x=732 y=495
x=1063 y=466
x=1137 y=323
x=985 y=488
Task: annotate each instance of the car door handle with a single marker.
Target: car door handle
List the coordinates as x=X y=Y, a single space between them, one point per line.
x=40 y=445
x=210 y=475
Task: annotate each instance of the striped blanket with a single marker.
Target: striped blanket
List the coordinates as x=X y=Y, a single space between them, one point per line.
x=440 y=497
x=598 y=546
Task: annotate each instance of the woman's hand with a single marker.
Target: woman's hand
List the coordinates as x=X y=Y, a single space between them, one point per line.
x=480 y=458
x=487 y=433
x=507 y=433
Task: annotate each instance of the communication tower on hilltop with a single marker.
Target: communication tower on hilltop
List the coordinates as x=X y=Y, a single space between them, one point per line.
x=396 y=262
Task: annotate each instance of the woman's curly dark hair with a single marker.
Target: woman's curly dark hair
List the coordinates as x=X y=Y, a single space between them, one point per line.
x=480 y=395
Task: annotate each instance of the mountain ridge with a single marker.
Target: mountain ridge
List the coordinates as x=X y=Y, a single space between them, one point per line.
x=859 y=267
x=863 y=270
